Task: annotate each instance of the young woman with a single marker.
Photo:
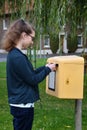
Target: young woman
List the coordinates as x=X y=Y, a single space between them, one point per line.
x=22 y=79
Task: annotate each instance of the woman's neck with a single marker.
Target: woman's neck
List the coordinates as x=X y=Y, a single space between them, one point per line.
x=19 y=46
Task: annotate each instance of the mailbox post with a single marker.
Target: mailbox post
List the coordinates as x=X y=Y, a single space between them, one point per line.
x=78 y=114
x=67 y=82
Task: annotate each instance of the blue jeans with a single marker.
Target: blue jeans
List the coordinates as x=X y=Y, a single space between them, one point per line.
x=22 y=118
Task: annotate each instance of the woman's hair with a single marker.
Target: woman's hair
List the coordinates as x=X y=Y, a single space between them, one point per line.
x=13 y=33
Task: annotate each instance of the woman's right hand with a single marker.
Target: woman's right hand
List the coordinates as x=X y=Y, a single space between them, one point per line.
x=52 y=66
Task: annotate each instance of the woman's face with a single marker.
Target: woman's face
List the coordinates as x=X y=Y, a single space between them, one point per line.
x=28 y=40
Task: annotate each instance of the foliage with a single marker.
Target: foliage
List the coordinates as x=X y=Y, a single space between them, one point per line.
x=72 y=43
x=54 y=43
x=57 y=13
x=52 y=16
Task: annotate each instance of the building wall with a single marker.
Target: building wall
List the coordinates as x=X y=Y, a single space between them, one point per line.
x=7 y=22
x=7 y=16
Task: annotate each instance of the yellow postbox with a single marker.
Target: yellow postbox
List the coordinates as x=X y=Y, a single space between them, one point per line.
x=67 y=80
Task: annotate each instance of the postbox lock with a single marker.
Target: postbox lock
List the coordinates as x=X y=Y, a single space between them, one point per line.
x=67 y=81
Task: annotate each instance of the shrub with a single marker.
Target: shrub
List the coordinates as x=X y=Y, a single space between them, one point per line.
x=72 y=43
x=54 y=43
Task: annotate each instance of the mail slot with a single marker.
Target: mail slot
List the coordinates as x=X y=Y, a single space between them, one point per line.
x=67 y=80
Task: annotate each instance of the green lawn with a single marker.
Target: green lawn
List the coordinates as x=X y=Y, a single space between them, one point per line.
x=51 y=113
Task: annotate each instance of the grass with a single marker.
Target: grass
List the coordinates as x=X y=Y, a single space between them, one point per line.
x=2 y=70
x=50 y=113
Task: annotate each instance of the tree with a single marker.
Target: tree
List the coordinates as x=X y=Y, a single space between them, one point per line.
x=52 y=15
x=55 y=15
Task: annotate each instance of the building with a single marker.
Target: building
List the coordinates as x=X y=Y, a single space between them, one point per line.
x=44 y=46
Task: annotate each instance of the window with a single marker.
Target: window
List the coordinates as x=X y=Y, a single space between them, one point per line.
x=46 y=41
x=4 y=25
x=80 y=40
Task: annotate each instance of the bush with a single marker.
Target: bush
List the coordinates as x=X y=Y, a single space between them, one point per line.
x=72 y=43
x=54 y=43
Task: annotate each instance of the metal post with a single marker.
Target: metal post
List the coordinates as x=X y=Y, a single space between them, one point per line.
x=78 y=114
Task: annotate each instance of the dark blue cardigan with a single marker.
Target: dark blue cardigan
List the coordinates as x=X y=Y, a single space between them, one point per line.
x=22 y=79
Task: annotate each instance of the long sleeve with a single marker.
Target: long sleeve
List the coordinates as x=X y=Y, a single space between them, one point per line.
x=24 y=70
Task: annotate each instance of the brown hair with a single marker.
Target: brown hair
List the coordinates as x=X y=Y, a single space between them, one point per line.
x=13 y=33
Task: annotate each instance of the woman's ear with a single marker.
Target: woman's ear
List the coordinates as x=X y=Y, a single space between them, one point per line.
x=23 y=35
